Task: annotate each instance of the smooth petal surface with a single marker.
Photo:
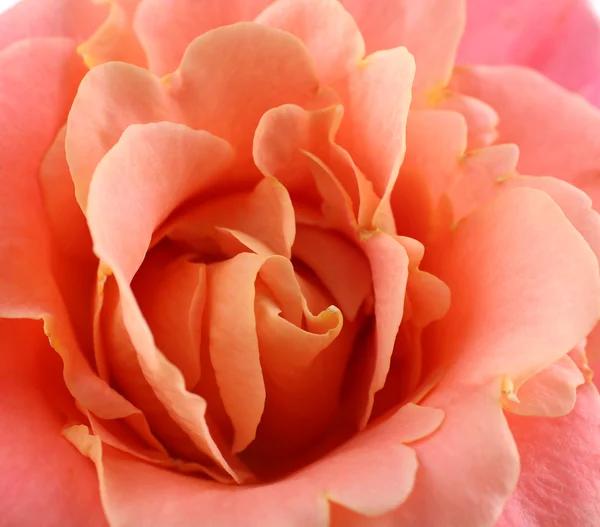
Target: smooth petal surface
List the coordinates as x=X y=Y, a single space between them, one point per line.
x=73 y=19
x=509 y=303
x=383 y=468
x=544 y=35
x=326 y=29
x=429 y=29
x=166 y=28
x=38 y=464
x=115 y=40
x=522 y=99
x=560 y=467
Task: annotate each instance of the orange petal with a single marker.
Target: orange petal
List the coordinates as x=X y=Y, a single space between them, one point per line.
x=234 y=345
x=171 y=292
x=389 y=268
x=382 y=464
x=167 y=27
x=334 y=42
x=508 y=292
x=339 y=264
x=73 y=19
x=115 y=40
x=303 y=384
x=262 y=220
x=429 y=29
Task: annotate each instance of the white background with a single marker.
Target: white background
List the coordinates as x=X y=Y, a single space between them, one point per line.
x=5 y=4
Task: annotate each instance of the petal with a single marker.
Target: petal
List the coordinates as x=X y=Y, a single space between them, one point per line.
x=334 y=42
x=38 y=81
x=550 y=393
x=115 y=40
x=429 y=29
x=73 y=19
x=377 y=97
x=340 y=266
x=524 y=120
x=382 y=474
x=566 y=492
x=265 y=68
x=234 y=345
x=389 y=268
x=545 y=37
x=473 y=449
x=514 y=267
x=167 y=27
x=205 y=93
x=33 y=453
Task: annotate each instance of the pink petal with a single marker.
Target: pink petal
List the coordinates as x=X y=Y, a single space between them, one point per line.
x=383 y=471
x=73 y=19
x=38 y=464
x=562 y=144
x=566 y=493
x=544 y=36
x=429 y=29
x=167 y=27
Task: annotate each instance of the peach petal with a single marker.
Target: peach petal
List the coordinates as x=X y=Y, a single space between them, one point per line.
x=122 y=223
x=524 y=121
x=376 y=98
x=424 y=178
x=167 y=27
x=509 y=305
x=482 y=119
x=31 y=384
x=334 y=42
x=73 y=19
x=234 y=345
x=271 y=65
x=550 y=393
x=565 y=495
x=115 y=39
x=382 y=464
x=171 y=293
x=429 y=29
x=481 y=175
x=265 y=215
x=111 y=97
x=339 y=264
x=389 y=268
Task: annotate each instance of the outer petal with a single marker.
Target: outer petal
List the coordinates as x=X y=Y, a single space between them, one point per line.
x=566 y=493
x=507 y=291
x=74 y=19
x=429 y=29
x=381 y=476
x=167 y=27
x=544 y=35
x=38 y=464
x=538 y=115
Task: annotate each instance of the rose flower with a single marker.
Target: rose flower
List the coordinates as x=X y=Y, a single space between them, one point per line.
x=292 y=263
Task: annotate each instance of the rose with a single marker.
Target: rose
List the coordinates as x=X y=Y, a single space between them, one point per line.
x=457 y=283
